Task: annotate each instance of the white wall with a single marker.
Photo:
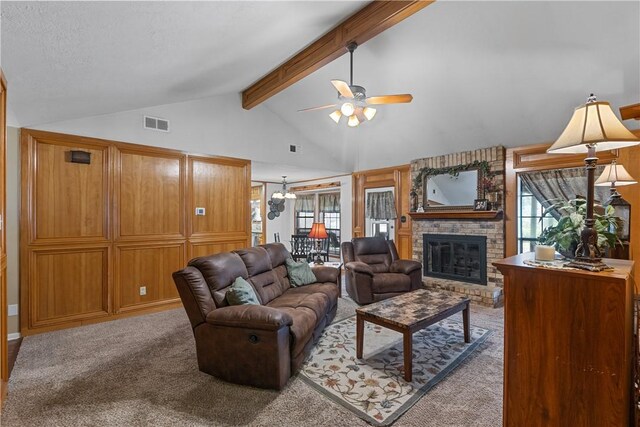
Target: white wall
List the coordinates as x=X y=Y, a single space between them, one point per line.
x=215 y=125
x=282 y=224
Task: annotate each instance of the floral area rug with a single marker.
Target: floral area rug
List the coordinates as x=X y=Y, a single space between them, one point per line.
x=373 y=387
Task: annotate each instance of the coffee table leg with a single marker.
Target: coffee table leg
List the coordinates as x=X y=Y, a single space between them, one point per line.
x=465 y=321
x=359 y=335
x=408 y=355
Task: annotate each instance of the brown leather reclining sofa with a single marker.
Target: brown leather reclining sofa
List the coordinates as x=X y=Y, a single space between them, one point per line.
x=258 y=345
x=374 y=272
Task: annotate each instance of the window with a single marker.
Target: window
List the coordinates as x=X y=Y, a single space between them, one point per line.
x=530 y=225
x=320 y=207
x=304 y=220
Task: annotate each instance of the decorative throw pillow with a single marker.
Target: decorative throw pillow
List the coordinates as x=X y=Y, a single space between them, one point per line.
x=241 y=292
x=300 y=273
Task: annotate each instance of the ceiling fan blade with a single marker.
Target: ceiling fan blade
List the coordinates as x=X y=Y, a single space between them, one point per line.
x=318 y=108
x=389 y=99
x=360 y=115
x=343 y=88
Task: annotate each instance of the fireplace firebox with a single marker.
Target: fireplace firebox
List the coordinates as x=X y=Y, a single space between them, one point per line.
x=455 y=257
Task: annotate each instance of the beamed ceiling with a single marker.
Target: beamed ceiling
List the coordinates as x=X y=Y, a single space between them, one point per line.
x=481 y=73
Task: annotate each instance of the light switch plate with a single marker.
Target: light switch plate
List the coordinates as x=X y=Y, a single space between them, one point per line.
x=143 y=290
x=200 y=211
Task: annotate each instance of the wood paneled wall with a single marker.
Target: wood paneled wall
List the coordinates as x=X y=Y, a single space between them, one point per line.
x=398 y=177
x=4 y=361
x=92 y=235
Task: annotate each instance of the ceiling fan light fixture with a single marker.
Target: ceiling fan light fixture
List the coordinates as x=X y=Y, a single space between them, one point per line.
x=335 y=116
x=369 y=112
x=347 y=109
x=353 y=121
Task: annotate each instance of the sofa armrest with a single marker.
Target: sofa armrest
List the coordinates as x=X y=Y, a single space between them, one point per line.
x=325 y=273
x=250 y=316
x=404 y=266
x=359 y=267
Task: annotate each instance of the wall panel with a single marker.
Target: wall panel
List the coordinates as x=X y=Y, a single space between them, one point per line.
x=150 y=267
x=70 y=199
x=91 y=235
x=69 y=284
x=221 y=188
x=197 y=249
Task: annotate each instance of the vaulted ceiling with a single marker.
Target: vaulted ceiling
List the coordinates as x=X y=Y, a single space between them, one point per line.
x=481 y=73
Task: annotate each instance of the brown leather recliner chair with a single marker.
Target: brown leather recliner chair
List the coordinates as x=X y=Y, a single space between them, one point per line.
x=374 y=272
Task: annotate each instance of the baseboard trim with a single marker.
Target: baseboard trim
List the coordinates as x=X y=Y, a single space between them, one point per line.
x=13 y=336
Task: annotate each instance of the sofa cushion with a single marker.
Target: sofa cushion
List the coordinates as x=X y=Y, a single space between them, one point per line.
x=307 y=306
x=277 y=253
x=256 y=260
x=390 y=282
x=300 y=273
x=261 y=275
x=241 y=292
x=219 y=271
x=329 y=289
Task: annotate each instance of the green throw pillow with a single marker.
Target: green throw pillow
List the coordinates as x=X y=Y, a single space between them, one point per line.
x=241 y=292
x=299 y=273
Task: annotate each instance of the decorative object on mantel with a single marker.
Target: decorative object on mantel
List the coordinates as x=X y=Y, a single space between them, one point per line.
x=566 y=234
x=593 y=127
x=480 y=205
x=616 y=175
x=353 y=102
x=413 y=200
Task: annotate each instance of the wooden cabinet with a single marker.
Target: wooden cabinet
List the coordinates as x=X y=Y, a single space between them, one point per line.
x=100 y=239
x=568 y=345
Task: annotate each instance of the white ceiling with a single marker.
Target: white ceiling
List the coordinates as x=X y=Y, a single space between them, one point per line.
x=76 y=59
x=482 y=73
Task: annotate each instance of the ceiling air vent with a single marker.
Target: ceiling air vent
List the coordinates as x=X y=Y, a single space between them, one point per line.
x=295 y=148
x=155 y=123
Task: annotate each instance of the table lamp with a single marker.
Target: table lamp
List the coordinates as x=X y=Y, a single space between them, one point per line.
x=318 y=232
x=616 y=175
x=593 y=127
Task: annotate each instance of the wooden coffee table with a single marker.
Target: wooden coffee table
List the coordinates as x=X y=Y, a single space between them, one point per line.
x=409 y=313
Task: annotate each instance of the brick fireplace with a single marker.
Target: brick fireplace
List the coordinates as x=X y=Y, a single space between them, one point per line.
x=456 y=256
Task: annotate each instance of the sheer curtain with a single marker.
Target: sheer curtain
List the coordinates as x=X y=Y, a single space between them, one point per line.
x=329 y=202
x=381 y=205
x=549 y=185
x=305 y=203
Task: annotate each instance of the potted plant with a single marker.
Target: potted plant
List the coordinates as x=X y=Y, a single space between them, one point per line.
x=565 y=235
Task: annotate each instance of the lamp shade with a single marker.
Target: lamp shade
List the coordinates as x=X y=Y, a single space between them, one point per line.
x=615 y=174
x=318 y=231
x=593 y=123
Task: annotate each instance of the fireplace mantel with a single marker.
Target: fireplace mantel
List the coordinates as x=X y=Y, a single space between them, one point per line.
x=445 y=214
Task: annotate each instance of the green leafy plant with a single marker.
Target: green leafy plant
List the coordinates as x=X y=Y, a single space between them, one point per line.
x=565 y=235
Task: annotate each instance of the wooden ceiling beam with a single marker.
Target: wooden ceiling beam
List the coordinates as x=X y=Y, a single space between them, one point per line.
x=630 y=112
x=365 y=24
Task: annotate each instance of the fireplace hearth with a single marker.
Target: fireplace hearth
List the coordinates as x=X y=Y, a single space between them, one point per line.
x=455 y=257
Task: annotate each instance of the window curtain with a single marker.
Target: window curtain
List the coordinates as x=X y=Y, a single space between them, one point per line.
x=381 y=205
x=570 y=183
x=305 y=203
x=329 y=202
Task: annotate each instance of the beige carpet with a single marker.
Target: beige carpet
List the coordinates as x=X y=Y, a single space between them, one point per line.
x=142 y=371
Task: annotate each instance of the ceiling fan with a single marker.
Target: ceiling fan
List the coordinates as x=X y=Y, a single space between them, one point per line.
x=353 y=102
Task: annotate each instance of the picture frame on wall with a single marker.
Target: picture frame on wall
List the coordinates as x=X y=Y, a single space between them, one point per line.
x=480 y=205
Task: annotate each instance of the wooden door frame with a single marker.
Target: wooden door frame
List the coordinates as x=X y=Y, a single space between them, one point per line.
x=377 y=178
x=4 y=361
x=531 y=158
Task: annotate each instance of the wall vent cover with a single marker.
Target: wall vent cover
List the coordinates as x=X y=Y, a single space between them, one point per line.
x=155 y=123
x=295 y=148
